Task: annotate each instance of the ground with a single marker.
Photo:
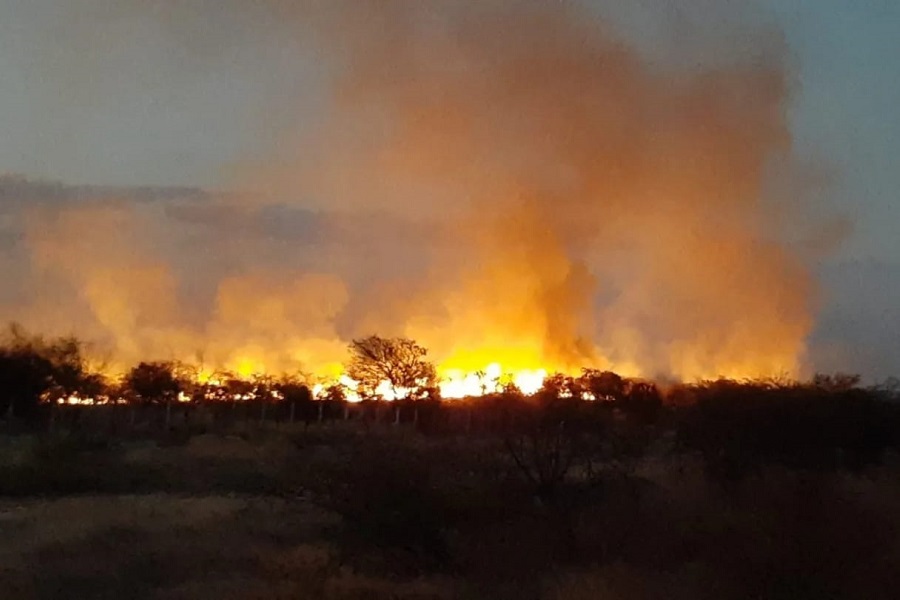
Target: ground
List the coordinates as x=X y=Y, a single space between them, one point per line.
x=337 y=513
x=184 y=544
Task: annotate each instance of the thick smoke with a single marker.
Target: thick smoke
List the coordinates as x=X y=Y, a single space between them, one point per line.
x=586 y=207
x=169 y=276
x=502 y=181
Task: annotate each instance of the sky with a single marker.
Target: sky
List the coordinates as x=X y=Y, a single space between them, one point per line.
x=95 y=94
x=72 y=106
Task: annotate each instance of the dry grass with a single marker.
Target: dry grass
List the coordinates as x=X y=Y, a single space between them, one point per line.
x=33 y=525
x=169 y=547
x=217 y=517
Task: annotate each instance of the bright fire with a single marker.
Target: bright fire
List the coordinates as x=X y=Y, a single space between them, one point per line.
x=452 y=383
x=535 y=198
x=463 y=375
x=456 y=383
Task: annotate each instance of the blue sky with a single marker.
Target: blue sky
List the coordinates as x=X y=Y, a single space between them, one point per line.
x=132 y=102
x=846 y=109
x=137 y=107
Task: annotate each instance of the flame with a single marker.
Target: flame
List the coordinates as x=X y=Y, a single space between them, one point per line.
x=458 y=383
x=567 y=204
x=247 y=368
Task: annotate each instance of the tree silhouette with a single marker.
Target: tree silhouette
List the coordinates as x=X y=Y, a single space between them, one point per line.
x=34 y=371
x=740 y=427
x=604 y=386
x=295 y=393
x=153 y=382
x=398 y=361
x=70 y=375
x=25 y=376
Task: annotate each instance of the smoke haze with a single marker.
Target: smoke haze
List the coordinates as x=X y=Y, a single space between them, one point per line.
x=502 y=181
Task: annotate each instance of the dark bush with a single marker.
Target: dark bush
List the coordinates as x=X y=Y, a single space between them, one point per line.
x=388 y=502
x=740 y=427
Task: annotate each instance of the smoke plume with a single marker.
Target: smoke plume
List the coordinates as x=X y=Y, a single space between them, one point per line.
x=502 y=181
x=586 y=207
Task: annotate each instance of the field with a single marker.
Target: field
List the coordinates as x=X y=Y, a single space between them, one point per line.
x=364 y=509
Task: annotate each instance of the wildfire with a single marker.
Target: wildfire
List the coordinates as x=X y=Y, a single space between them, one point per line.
x=452 y=383
x=456 y=383
x=581 y=208
x=248 y=377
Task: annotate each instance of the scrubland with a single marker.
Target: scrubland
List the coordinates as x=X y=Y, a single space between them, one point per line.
x=364 y=509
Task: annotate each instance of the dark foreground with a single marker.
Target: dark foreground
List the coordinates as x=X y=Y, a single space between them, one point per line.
x=341 y=510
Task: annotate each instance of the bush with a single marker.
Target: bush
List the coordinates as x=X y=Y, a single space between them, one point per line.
x=388 y=503
x=740 y=427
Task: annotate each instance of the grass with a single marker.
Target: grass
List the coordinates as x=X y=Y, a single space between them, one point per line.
x=165 y=546
x=341 y=512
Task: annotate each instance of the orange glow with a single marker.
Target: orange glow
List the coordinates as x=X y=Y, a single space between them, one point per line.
x=567 y=205
x=247 y=368
x=458 y=383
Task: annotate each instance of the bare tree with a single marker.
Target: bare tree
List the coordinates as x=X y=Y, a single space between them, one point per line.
x=544 y=452
x=398 y=361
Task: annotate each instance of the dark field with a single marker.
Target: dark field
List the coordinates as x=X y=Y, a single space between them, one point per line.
x=736 y=502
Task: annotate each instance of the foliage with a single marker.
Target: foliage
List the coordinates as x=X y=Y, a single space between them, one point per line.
x=34 y=371
x=292 y=391
x=638 y=399
x=544 y=449
x=154 y=382
x=604 y=386
x=389 y=505
x=398 y=361
x=25 y=376
x=828 y=424
x=556 y=438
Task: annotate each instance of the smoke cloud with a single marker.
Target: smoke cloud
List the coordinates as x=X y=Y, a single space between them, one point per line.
x=502 y=181
x=587 y=207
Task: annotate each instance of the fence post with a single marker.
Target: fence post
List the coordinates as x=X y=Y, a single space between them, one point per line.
x=52 y=424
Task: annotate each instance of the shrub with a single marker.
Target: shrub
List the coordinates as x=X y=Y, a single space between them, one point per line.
x=740 y=427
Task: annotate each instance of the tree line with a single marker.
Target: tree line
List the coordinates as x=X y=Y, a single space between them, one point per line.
x=37 y=373
x=722 y=419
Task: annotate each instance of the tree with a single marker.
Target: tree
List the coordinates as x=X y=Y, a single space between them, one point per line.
x=559 y=385
x=604 y=386
x=70 y=375
x=35 y=372
x=296 y=394
x=398 y=362
x=25 y=377
x=642 y=400
x=739 y=428
x=154 y=382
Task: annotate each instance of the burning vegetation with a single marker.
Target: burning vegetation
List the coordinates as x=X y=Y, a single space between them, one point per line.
x=511 y=185
x=590 y=277
x=37 y=374
x=38 y=371
x=507 y=488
